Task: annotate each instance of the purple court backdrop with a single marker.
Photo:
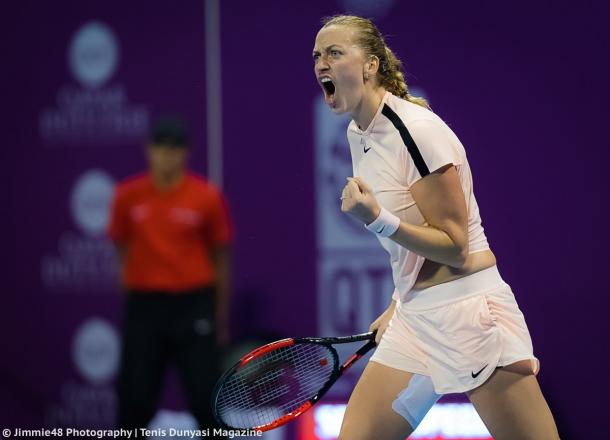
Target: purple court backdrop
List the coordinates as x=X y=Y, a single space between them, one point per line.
x=89 y=78
x=522 y=84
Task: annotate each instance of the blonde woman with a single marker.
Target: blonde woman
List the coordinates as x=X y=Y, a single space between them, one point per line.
x=453 y=321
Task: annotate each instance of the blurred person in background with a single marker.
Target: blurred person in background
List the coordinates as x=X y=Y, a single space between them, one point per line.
x=172 y=232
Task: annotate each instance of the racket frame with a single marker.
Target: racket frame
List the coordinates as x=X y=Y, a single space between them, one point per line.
x=338 y=370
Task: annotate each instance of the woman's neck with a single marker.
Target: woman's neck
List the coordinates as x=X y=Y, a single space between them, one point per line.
x=366 y=111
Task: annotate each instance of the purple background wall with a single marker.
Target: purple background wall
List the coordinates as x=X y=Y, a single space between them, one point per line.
x=160 y=70
x=522 y=84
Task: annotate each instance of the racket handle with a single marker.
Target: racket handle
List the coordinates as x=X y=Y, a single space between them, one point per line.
x=356 y=356
x=341 y=339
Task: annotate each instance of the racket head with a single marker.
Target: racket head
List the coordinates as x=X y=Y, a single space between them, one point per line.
x=274 y=384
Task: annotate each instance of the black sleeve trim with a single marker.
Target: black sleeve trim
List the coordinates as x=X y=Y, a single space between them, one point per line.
x=407 y=139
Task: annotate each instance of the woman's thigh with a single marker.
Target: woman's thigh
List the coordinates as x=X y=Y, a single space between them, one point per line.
x=512 y=407
x=369 y=414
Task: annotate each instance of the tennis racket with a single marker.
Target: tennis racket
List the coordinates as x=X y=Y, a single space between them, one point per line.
x=276 y=383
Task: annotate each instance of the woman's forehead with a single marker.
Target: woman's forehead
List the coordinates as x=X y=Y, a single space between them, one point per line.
x=335 y=34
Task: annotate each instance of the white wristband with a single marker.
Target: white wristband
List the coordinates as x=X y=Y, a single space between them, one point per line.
x=385 y=224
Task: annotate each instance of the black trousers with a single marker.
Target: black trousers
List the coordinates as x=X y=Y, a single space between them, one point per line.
x=160 y=328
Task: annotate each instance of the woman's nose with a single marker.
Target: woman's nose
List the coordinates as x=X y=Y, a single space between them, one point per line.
x=321 y=65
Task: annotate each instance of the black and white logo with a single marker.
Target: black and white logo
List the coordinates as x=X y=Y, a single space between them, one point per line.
x=474 y=375
x=363 y=143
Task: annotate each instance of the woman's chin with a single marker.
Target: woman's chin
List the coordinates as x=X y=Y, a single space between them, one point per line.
x=337 y=108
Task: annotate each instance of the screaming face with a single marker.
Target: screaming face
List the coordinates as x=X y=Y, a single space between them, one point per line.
x=339 y=65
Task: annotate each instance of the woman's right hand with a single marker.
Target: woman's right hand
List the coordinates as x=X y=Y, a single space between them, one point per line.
x=381 y=323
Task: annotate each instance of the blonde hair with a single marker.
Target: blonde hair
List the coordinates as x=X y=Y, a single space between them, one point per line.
x=372 y=43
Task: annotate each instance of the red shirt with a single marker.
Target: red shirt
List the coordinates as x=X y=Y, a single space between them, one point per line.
x=168 y=234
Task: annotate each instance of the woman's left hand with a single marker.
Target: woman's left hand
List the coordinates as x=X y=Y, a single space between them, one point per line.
x=357 y=200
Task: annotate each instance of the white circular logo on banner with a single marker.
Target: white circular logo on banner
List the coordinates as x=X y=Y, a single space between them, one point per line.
x=93 y=54
x=90 y=201
x=96 y=350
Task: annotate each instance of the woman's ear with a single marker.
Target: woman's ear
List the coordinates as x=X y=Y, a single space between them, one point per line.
x=371 y=67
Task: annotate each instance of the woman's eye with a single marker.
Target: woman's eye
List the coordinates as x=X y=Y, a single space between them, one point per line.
x=335 y=53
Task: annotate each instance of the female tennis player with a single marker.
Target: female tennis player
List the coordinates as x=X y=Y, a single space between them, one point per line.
x=452 y=319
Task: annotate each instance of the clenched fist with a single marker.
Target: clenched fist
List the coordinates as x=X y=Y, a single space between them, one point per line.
x=357 y=200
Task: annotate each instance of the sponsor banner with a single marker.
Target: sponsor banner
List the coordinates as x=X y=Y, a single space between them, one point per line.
x=95 y=111
x=445 y=421
x=89 y=400
x=84 y=260
x=92 y=84
x=354 y=276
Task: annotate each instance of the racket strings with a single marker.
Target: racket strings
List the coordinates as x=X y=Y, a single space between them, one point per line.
x=277 y=383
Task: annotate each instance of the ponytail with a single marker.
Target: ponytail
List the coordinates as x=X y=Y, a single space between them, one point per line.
x=393 y=80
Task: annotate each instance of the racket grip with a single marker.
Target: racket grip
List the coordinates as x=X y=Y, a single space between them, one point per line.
x=359 y=354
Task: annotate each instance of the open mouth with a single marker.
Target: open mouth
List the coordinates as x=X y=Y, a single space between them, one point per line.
x=328 y=86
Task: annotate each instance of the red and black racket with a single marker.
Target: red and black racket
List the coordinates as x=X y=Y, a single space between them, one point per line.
x=276 y=383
